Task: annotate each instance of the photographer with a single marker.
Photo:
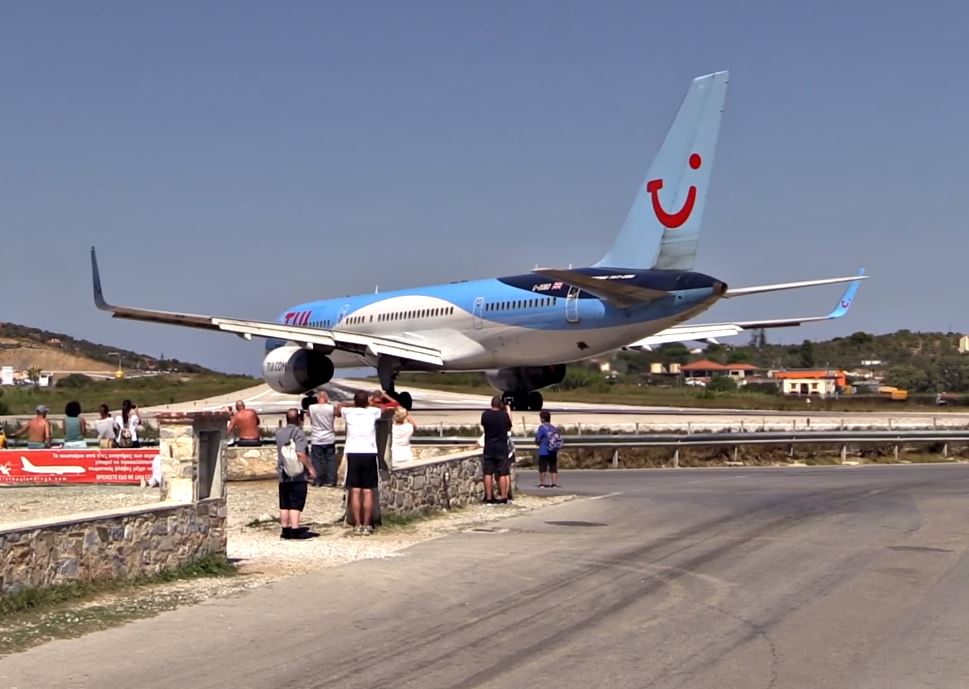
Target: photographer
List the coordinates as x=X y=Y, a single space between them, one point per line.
x=494 y=461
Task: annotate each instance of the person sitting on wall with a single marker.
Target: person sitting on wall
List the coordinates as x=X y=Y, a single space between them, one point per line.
x=37 y=430
x=104 y=427
x=75 y=427
x=246 y=424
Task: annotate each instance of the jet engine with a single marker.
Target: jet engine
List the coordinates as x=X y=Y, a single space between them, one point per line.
x=294 y=370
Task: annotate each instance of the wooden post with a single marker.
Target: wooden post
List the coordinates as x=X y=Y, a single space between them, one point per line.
x=844 y=453
x=736 y=452
x=676 y=458
x=742 y=430
x=689 y=428
x=615 y=458
x=637 y=428
x=895 y=452
x=945 y=450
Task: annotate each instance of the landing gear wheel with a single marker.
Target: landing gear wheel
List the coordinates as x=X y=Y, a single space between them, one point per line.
x=521 y=402
x=535 y=401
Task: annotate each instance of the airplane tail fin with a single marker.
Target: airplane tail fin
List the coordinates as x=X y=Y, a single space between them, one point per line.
x=663 y=225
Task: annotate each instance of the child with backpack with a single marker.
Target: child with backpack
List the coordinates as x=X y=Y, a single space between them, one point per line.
x=549 y=442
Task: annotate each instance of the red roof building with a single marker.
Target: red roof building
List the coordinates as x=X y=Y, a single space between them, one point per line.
x=710 y=369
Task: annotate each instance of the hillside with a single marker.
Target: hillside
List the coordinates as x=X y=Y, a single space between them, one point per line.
x=23 y=348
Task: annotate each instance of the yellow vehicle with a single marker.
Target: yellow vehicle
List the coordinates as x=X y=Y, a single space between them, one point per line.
x=893 y=393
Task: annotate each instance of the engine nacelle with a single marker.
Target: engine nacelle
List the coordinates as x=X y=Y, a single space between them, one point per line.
x=526 y=378
x=294 y=370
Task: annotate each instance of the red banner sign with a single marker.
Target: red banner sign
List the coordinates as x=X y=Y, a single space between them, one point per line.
x=76 y=466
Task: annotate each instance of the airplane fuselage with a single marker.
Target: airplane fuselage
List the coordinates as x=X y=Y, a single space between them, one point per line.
x=521 y=320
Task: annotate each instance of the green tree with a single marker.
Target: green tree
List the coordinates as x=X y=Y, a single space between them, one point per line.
x=806 y=354
x=722 y=384
x=909 y=377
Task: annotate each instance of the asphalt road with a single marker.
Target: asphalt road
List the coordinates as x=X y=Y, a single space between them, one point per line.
x=849 y=578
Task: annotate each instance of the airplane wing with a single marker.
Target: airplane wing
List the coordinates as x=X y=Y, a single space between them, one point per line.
x=310 y=338
x=612 y=289
x=711 y=331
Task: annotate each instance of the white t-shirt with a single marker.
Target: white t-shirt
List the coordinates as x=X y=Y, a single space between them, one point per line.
x=400 y=450
x=361 y=433
x=105 y=428
x=321 y=424
x=132 y=426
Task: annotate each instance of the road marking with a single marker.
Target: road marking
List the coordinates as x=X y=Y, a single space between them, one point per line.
x=608 y=495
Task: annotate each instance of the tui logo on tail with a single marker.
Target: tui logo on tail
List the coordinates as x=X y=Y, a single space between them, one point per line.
x=674 y=220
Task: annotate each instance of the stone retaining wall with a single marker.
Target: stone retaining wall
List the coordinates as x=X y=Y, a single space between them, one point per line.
x=259 y=463
x=120 y=544
x=434 y=483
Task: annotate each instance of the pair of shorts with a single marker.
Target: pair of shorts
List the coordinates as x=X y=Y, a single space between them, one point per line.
x=549 y=462
x=292 y=495
x=361 y=470
x=496 y=465
x=242 y=442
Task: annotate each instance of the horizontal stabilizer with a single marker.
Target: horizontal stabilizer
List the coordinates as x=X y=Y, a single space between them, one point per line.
x=616 y=289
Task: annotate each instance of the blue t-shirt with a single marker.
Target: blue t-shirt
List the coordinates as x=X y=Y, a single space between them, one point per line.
x=541 y=438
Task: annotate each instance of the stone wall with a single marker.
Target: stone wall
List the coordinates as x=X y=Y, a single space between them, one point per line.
x=258 y=463
x=120 y=544
x=434 y=483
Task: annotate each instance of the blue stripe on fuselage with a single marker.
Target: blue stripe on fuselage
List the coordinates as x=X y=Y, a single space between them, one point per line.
x=523 y=299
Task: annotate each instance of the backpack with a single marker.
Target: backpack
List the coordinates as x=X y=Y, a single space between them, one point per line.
x=124 y=439
x=554 y=440
x=292 y=467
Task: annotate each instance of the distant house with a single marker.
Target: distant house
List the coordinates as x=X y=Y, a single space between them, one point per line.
x=704 y=369
x=811 y=382
x=964 y=344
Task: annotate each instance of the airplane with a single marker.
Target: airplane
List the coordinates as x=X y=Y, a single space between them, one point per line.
x=56 y=470
x=521 y=330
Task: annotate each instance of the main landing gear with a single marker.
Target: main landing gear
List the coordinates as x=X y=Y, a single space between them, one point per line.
x=524 y=401
x=387 y=370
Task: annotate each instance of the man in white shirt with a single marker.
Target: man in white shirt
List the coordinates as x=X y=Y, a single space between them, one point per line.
x=361 y=453
x=323 y=440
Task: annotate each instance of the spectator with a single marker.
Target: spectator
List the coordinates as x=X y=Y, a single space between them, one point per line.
x=494 y=462
x=75 y=427
x=292 y=489
x=245 y=422
x=104 y=427
x=37 y=430
x=126 y=426
x=548 y=440
x=401 y=433
x=361 y=454
x=323 y=440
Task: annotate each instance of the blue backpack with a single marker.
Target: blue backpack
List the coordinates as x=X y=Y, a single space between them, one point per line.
x=553 y=438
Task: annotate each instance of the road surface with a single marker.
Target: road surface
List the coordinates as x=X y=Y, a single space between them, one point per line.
x=848 y=578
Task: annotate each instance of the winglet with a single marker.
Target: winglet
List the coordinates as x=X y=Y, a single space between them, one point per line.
x=847 y=298
x=96 y=277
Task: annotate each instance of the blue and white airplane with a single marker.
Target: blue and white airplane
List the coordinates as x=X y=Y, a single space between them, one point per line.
x=523 y=330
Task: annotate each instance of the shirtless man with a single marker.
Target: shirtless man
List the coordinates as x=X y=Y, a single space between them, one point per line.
x=37 y=430
x=246 y=424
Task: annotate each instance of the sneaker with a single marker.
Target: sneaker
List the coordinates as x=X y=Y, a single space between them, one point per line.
x=286 y=533
x=358 y=530
x=367 y=530
x=501 y=501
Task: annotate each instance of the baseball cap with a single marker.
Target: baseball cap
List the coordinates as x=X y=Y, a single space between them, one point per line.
x=41 y=409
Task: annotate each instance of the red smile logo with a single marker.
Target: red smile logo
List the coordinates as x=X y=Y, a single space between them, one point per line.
x=674 y=220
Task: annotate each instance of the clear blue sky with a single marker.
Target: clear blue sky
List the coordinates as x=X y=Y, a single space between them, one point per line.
x=235 y=158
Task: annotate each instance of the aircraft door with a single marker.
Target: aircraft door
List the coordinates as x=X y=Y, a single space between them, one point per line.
x=476 y=312
x=343 y=314
x=572 y=305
